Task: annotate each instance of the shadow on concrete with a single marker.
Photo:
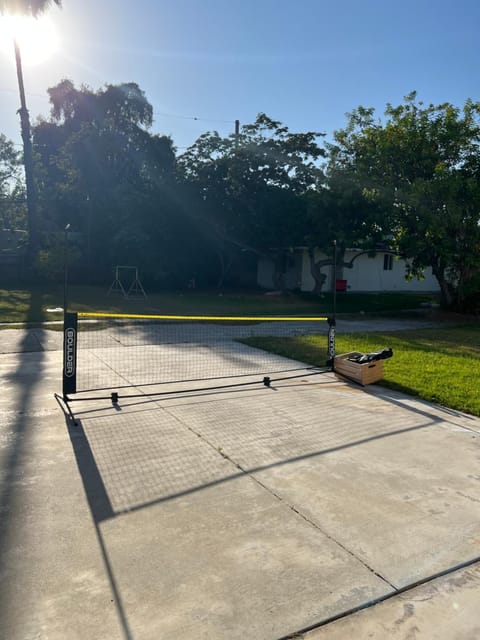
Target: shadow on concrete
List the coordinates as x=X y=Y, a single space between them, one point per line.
x=97 y=494
x=100 y=502
x=25 y=378
x=393 y=397
x=100 y=508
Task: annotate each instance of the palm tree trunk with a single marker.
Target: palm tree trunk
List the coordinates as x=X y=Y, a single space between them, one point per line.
x=32 y=217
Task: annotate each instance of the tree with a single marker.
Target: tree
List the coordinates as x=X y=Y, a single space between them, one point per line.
x=338 y=213
x=27 y=8
x=101 y=169
x=246 y=189
x=421 y=167
x=9 y=165
x=12 y=196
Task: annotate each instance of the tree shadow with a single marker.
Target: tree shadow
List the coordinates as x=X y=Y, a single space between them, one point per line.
x=25 y=378
x=30 y=354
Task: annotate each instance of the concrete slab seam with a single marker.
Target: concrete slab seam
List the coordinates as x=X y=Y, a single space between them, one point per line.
x=322 y=531
x=300 y=634
x=285 y=503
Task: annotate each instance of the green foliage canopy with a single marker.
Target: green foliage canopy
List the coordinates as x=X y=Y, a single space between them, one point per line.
x=421 y=166
x=99 y=168
x=12 y=192
x=246 y=189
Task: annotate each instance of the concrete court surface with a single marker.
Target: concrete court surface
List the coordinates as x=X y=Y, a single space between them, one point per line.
x=241 y=514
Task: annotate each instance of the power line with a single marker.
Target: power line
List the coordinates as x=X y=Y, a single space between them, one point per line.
x=172 y=115
x=158 y=113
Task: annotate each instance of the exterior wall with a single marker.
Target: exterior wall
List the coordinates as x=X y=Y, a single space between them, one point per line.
x=367 y=274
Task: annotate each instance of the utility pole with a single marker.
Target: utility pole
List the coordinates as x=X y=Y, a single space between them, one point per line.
x=33 y=238
x=237 y=132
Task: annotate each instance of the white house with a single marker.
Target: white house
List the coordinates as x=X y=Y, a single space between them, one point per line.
x=381 y=272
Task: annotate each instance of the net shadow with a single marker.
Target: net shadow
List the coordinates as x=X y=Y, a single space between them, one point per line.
x=134 y=460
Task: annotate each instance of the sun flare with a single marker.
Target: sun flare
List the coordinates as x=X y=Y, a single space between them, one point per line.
x=37 y=38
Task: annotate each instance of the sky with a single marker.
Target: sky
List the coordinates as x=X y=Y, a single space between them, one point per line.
x=205 y=63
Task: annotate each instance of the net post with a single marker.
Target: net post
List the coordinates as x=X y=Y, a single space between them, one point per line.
x=331 y=342
x=65 y=270
x=70 y=325
x=332 y=321
x=334 y=284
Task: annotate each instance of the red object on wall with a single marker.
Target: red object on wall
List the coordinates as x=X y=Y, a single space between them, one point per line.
x=341 y=285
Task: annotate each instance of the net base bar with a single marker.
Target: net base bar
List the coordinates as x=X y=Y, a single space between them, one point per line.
x=114 y=396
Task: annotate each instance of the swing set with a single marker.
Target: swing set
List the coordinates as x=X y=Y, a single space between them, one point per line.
x=127 y=282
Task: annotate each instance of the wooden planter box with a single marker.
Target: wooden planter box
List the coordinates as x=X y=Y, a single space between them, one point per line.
x=367 y=373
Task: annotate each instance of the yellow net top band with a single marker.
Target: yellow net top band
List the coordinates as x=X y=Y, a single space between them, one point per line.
x=136 y=316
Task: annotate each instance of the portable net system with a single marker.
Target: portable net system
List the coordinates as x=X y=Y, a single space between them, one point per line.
x=110 y=356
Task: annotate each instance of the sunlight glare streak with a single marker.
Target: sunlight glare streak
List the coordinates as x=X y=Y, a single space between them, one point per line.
x=38 y=38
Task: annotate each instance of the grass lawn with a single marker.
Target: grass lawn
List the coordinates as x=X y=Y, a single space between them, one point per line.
x=31 y=304
x=438 y=365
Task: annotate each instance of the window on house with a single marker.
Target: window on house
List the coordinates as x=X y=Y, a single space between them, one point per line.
x=387 y=262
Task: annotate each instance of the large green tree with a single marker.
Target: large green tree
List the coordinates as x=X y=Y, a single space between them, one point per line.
x=27 y=8
x=102 y=170
x=246 y=189
x=339 y=217
x=421 y=167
